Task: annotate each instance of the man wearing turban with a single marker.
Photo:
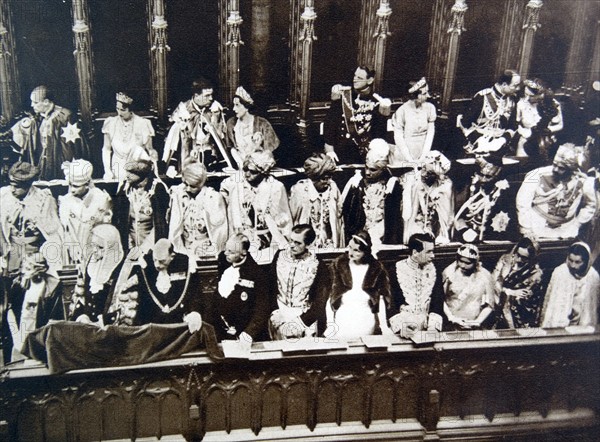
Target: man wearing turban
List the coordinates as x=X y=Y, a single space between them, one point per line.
x=247 y=132
x=316 y=200
x=428 y=204
x=142 y=214
x=29 y=221
x=373 y=203
x=257 y=205
x=82 y=208
x=34 y=299
x=555 y=201
x=197 y=215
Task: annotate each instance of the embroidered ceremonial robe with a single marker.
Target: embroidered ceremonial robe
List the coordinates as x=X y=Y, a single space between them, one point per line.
x=141 y=302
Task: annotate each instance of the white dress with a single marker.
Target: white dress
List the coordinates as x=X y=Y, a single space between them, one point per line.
x=354 y=318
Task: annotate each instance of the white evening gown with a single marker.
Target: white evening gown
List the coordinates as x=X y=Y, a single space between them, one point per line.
x=354 y=317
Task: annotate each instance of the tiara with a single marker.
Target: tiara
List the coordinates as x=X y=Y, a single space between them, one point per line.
x=418 y=85
x=244 y=95
x=359 y=239
x=532 y=85
x=468 y=251
x=124 y=98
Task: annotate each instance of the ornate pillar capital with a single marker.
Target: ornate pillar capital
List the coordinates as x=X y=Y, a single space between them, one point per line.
x=306 y=37
x=308 y=18
x=83 y=59
x=382 y=32
x=532 y=19
x=158 y=56
x=234 y=22
x=458 y=17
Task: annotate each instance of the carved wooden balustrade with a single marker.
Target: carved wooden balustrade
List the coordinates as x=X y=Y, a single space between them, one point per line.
x=535 y=384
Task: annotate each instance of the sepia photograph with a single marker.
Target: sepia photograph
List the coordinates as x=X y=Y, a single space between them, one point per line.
x=299 y=220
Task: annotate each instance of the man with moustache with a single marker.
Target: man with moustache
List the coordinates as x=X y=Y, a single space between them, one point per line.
x=258 y=206
x=490 y=123
x=555 y=201
x=356 y=116
x=316 y=200
x=486 y=205
x=468 y=291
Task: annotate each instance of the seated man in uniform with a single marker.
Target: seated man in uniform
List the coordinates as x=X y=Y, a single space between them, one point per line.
x=163 y=288
x=417 y=289
x=198 y=218
x=82 y=208
x=469 y=297
x=316 y=200
x=298 y=307
x=486 y=205
x=555 y=201
x=240 y=308
x=490 y=123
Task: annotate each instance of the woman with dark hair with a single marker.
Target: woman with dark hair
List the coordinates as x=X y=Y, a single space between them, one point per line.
x=539 y=116
x=413 y=124
x=518 y=283
x=247 y=132
x=360 y=300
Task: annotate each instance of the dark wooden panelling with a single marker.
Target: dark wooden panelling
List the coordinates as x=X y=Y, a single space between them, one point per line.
x=119 y=30
x=44 y=43
x=336 y=49
x=551 y=43
x=194 y=41
x=406 y=54
x=479 y=47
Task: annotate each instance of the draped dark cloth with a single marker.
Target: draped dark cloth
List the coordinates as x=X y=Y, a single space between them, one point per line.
x=65 y=346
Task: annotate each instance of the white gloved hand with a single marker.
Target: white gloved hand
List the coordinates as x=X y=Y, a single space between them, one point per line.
x=171 y=172
x=194 y=321
x=333 y=156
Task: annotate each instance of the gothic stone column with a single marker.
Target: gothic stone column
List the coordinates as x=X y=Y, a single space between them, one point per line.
x=158 y=57
x=83 y=59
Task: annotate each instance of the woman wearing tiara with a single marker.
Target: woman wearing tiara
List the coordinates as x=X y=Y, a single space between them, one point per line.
x=414 y=125
x=360 y=302
x=127 y=137
x=247 y=132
